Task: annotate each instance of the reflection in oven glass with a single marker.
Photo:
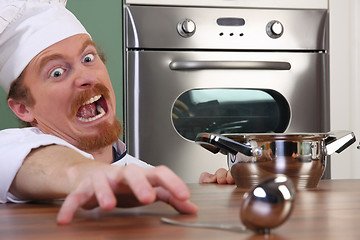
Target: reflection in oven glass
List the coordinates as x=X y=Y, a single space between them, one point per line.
x=230 y=111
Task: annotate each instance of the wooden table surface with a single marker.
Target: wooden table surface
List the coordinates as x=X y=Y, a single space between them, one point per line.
x=330 y=212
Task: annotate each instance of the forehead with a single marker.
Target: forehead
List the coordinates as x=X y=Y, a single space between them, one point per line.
x=72 y=45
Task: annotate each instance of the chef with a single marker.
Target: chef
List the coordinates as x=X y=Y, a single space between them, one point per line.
x=58 y=84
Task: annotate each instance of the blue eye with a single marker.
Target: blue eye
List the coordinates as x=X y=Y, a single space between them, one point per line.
x=57 y=72
x=89 y=57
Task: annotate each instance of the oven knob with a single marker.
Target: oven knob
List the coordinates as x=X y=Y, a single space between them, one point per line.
x=274 y=29
x=186 y=28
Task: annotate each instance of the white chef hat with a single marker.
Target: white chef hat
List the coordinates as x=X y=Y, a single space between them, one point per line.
x=26 y=28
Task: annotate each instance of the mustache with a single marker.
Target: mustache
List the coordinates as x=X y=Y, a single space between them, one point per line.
x=98 y=89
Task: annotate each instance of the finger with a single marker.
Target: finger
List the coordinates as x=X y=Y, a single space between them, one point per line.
x=142 y=182
x=136 y=180
x=206 y=177
x=167 y=179
x=74 y=201
x=181 y=206
x=221 y=175
x=103 y=192
x=229 y=178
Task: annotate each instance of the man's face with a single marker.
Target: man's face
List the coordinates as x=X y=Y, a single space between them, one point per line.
x=74 y=98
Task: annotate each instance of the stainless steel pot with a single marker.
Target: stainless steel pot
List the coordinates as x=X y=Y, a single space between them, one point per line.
x=301 y=156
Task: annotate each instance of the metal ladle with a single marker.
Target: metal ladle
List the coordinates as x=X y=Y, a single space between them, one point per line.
x=264 y=207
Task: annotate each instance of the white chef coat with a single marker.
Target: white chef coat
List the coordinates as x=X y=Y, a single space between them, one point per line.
x=16 y=144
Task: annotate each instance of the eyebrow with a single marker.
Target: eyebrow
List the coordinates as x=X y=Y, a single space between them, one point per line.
x=87 y=43
x=46 y=59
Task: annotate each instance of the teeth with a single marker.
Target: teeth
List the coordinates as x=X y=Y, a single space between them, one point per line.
x=101 y=113
x=93 y=99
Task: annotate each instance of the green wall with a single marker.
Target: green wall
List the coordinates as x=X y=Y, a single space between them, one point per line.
x=7 y=118
x=103 y=20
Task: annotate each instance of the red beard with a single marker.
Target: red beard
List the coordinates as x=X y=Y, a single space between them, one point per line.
x=107 y=134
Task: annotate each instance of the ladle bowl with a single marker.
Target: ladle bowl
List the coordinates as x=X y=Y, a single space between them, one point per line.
x=269 y=204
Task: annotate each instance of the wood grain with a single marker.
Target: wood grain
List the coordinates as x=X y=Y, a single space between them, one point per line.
x=332 y=211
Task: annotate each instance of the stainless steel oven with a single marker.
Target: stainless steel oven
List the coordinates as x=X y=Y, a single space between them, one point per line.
x=225 y=69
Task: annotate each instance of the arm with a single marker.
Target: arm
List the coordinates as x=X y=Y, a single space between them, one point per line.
x=58 y=172
x=221 y=176
x=38 y=177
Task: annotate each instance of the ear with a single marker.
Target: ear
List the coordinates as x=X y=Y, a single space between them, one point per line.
x=21 y=110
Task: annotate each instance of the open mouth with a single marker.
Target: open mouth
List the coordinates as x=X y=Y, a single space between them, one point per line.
x=92 y=109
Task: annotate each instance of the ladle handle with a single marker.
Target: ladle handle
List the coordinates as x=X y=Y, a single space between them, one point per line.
x=216 y=142
x=337 y=141
x=205 y=225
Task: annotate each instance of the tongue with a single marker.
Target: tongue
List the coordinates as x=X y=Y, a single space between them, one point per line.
x=87 y=111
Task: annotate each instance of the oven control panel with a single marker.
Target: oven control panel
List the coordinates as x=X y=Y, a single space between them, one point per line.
x=153 y=27
x=187 y=27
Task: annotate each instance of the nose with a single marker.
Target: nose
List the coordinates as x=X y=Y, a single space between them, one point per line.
x=85 y=77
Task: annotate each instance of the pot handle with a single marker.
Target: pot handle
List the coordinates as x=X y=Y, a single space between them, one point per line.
x=337 y=141
x=215 y=143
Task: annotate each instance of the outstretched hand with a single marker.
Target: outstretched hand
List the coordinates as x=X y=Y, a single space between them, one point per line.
x=129 y=186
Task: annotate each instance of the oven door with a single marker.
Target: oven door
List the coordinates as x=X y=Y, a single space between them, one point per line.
x=171 y=96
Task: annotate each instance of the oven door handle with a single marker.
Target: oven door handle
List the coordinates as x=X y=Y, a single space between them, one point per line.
x=242 y=65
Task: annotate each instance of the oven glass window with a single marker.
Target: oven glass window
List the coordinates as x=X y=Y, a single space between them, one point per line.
x=230 y=111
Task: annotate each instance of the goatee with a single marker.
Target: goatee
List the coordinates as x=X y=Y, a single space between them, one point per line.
x=107 y=134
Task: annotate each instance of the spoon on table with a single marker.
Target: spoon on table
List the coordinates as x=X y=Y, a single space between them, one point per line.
x=265 y=206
